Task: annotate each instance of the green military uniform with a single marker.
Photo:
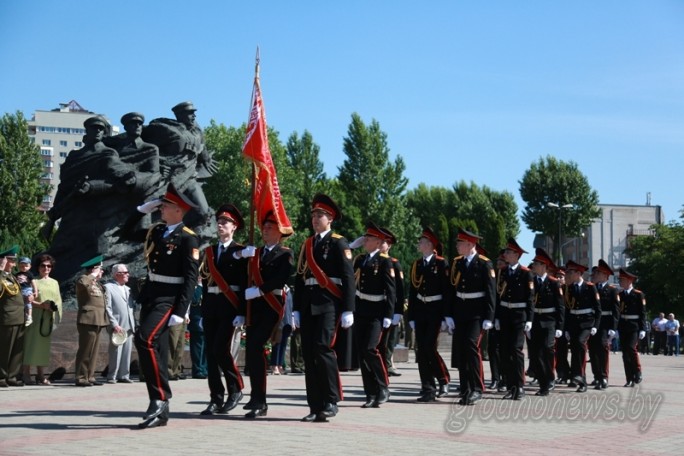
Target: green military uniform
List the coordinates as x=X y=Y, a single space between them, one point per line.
x=11 y=326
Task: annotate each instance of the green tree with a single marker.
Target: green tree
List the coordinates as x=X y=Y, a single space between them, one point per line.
x=308 y=179
x=489 y=213
x=20 y=186
x=658 y=261
x=550 y=180
x=371 y=187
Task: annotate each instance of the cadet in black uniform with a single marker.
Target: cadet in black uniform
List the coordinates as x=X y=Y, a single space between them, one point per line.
x=428 y=294
x=583 y=313
x=514 y=315
x=472 y=310
x=390 y=336
x=270 y=268
x=549 y=316
x=375 y=295
x=172 y=254
x=224 y=272
x=494 y=343
x=561 y=356
x=632 y=326
x=324 y=298
x=599 y=344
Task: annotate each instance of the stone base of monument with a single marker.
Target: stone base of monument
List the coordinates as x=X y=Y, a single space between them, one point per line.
x=65 y=345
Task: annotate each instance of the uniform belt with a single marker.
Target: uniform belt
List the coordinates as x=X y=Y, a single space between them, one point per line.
x=474 y=295
x=313 y=281
x=514 y=305
x=217 y=290
x=581 y=311
x=165 y=279
x=545 y=310
x=629 y=317
x=429 y=298
x=606 y=313
x=370 y=297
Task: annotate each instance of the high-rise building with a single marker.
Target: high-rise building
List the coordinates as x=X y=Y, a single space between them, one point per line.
x=58 y=132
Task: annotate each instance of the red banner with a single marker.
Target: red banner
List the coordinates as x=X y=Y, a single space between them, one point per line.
x=266 y=195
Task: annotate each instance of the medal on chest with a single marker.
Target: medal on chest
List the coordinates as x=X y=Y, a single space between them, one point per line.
x=170 y=248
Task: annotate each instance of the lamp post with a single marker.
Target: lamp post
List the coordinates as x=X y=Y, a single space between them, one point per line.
x=560 y=208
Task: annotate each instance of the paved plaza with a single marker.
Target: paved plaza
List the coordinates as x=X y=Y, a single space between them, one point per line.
x=63 y=419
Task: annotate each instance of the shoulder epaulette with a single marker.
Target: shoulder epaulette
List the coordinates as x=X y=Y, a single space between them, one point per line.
x=189 y=231
x=337 y=236
x=612 y=285
x=485 y=258
x=458 y=257
x=384 y=255
x=395 y=260
x=285 y=248
x=440 y=258
x=524 y=268
x=590 y=283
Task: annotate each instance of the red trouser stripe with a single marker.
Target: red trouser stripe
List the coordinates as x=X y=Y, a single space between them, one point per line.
x=150 y=348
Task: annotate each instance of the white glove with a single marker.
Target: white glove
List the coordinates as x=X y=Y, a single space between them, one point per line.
x=593 y=331
x=175 y=320
x=412 y=324
x=559 y=334
x=528 y=326
x=252 y=293
x=642 y=334
x=346 y=320
x=497 y=324
x=358 y=242
x=386 y=322
x=611 y=333
x=238 y=321
x=487 y=325
x=295 y=319
x=150 y=206
x=567 y=335
x=248 y=251
x=449 y=323
x=396 y=319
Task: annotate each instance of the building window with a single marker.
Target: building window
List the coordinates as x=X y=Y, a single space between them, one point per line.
x=47 y=163
x=47 y=176
x=46 y=152
x=78 y=144
x=63 y=154
x=62 y=143
x=47 y=142
x=47 y=199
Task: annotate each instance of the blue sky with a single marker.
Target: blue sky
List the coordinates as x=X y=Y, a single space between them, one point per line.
x=464 y=90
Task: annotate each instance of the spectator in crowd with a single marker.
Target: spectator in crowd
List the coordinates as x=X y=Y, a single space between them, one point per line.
x=48 y=312
x=28 y=287
x=196 y=328
x=279 y=348
x=91 y=318
x=12 y=321
x=659 y=334
x=120 y=307
x=672 y=331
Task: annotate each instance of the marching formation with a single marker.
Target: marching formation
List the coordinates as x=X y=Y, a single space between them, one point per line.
x=553 y=309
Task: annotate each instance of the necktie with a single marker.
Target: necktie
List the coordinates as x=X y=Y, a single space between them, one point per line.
x=317 y=239
x=220 y=251
x=264 y=252
x=510 y=270
x=577 y=288
x=539 y=282
x=600 y=287
x=425 y=263
x=167 y=232
x=365 y=261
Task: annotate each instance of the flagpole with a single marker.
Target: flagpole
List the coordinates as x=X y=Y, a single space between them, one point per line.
x=251 y=199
